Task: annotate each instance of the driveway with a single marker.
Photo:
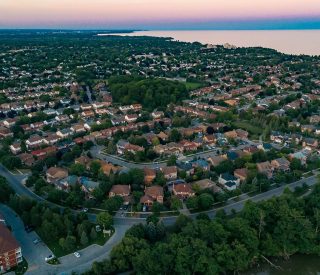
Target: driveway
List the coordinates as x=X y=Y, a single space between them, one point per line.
x=33 y=253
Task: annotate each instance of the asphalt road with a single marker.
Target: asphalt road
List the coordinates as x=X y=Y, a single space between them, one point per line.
x=96 y=153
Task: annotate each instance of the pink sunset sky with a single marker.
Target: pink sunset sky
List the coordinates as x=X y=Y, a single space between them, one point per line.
x=147 y=13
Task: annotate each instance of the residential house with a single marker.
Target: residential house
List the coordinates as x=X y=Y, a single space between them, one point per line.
x=231 y=134
x=5 y=132
x=206 y=184
x=281 y=164
x=121 y=146
x=84 y=160
x=300 y=155
x=27 y=159
x=189 y=145
x=242 y=134
x=152 y=194
x=241 y=174
x=216 y=160
x=10 y=250
x=265 y=146
x=51 y=139
x=64 y=133
x=108 y=168
x=130 y=118
x=34 y=141
x=9 y=122
x=45 y=152
x=55 y=174
x=121 y=191
x=149 y=175
x=310 y=143
x=157 y=114
x=183 y=190
x=265 y=168
x=170 y=172
x=201 y=163
x=88 y=186
x=15 y=148
x=228 y=181
x=78 y=128
x=163 y=136
x=209 y=140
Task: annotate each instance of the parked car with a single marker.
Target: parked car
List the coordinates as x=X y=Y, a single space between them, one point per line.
x=85 y=210
x=36 y=241
x=77 y=254
x=49 y=258
x=28 y=228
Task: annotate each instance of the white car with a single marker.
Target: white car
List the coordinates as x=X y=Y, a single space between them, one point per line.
x=49 y=258
x=77 y=254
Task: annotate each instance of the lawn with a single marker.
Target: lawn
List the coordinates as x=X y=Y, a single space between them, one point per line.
x=58 y=251
x=193 y=85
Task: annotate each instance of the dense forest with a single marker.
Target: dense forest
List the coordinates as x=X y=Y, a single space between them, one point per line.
x=151 y=93
x=279 y=227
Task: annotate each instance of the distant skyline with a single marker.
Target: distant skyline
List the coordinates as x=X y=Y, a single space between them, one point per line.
x=160 y=14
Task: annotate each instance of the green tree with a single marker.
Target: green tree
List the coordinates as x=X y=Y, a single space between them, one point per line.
x=93 y=234
x=77 y=169
x=205 y=201
x=175 y=135
x=84 y=238
x=70 y=243
x=105 y=220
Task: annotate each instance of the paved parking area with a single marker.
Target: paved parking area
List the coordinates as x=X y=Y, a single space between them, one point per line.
x=33 y=253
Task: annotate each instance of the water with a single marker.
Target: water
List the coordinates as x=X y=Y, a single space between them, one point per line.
x=297 y=265
x=286 y=41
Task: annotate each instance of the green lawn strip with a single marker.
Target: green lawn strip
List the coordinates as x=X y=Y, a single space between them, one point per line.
x=58 y=251
x=193 y=85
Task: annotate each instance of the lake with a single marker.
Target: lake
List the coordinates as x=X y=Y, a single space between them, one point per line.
x=286 y=41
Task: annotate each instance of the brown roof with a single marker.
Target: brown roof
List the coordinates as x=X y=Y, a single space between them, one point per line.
x=7 y=241
x=57 y=172
x=84 y=160
x=154 y=191
x=183 y=188
x=120 y=189
x=242 y=172
x=25 y=156
x=149 y=172
x=169 y=169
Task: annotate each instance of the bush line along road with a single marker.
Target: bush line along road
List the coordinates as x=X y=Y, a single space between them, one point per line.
x=95 y=253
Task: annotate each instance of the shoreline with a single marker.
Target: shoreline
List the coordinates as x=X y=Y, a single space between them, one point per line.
x=291 y=42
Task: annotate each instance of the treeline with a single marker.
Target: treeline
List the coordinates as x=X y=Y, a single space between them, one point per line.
x=279 y=227
x=151 y=93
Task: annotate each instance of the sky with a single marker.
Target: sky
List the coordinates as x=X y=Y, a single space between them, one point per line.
x=160 y=14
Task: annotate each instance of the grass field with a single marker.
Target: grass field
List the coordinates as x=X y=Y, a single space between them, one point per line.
x=193 y=85
x=58 y=251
